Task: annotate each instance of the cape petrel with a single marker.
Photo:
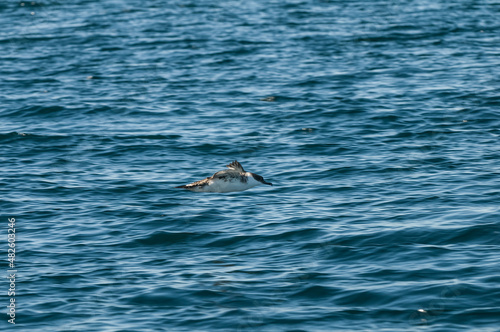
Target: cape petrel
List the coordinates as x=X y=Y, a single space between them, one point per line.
x=233 y=179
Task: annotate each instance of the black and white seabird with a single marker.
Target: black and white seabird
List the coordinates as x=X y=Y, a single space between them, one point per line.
x=233 y=179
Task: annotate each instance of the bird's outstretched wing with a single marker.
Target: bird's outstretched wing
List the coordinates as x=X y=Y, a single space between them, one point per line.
x=225 y=175
x=197 y=184
x=236 y=166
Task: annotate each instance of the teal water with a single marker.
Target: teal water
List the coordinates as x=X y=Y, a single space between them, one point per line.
x=376 y=121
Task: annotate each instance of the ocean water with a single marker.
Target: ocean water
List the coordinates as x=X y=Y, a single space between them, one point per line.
x=378 y=123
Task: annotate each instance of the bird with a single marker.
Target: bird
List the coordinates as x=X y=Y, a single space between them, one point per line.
x=229 y=180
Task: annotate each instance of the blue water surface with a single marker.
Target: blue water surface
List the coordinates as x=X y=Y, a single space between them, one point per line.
x=378 y=123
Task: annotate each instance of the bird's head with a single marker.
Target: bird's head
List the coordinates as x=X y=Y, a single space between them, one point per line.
x=260 y=179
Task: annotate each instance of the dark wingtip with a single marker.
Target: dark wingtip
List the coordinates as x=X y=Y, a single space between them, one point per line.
x=235 y=165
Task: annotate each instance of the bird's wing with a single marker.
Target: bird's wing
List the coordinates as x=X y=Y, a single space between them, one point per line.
x=235 y=165
x=227 y=173
x=198 y=184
